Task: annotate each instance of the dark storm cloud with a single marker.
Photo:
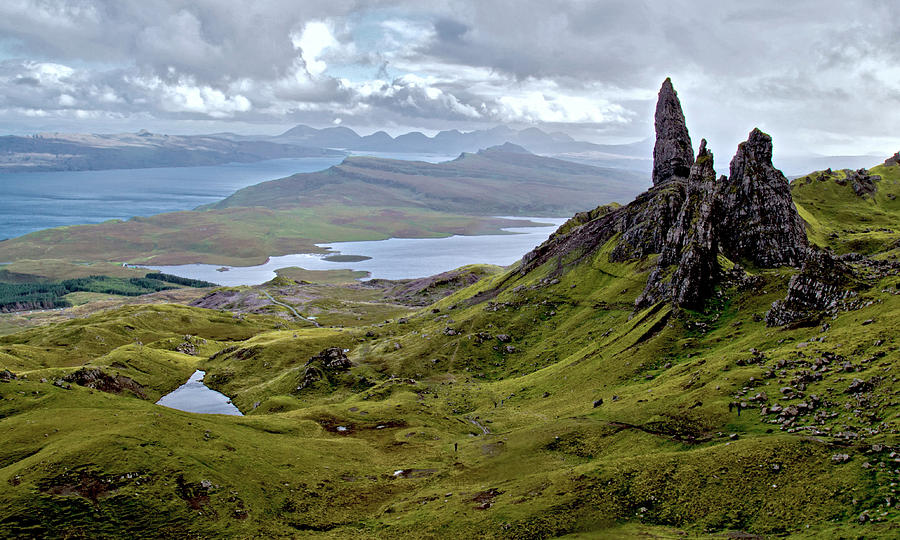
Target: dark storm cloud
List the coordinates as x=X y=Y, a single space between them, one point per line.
x=808 y=71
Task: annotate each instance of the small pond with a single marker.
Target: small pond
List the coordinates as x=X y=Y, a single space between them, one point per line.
x=194 y=396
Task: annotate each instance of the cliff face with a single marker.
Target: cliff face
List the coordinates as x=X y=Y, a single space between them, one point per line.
x=688 y=217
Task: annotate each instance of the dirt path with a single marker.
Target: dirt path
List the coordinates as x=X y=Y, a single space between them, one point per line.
x=294 y=311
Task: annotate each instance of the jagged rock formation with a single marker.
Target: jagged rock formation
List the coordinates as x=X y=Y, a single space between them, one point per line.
x=688 y=217
x=893 y=160
x=687 y=267
x=758 y=220
x=673 y=154
x=861 y=181
x=820 y=285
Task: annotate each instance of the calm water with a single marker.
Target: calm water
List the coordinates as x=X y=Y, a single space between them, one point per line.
x=40 y=200
x=194 y=396
x=395 y=258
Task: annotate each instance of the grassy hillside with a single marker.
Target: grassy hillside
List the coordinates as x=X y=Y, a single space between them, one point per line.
x=526 y=405
x=849 y=221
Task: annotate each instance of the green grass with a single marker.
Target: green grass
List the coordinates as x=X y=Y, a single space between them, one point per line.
x=840 y=219
x=474 y=416
x=321 y=276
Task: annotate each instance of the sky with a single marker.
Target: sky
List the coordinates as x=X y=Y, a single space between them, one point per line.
x=820 y=76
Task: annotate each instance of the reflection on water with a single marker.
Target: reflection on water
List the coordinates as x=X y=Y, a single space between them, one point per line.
x=194 y=396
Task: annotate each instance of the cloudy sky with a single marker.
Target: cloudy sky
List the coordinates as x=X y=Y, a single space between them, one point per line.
x=819 y=75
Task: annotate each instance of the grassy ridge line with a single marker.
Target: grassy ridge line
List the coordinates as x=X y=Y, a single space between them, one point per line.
x=239 y=236
x=839 y=218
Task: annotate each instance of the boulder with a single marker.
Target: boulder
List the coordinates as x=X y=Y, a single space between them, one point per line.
x=99 y=380
x=324 y=365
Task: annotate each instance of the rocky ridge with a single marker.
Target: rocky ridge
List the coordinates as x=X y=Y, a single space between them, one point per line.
x=688 y=217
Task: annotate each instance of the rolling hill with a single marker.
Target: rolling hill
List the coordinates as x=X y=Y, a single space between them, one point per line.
x=717 y=358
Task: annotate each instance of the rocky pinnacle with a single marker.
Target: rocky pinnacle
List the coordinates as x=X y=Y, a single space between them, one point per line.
x=687 y=268
x=673 y=154
x=758 y=220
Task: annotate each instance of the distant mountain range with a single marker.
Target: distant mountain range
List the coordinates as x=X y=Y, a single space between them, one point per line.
x=627 y=156
x=633 y=156
x=77 y=152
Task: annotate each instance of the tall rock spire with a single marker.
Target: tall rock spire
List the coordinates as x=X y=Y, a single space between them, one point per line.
x=758 y=220
x=673 y=154
x=687 y=267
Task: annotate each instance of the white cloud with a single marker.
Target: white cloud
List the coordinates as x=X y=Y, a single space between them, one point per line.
x=539 y=107
x=315 y=38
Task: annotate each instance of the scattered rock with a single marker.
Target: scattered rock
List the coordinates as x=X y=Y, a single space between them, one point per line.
x=858 y=386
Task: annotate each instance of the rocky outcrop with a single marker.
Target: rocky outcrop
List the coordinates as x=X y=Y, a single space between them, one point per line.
x=861 y=181
x=688 y=217
x=822 y=283
x=644 y=223
x=758 y=220
x=98 y=379
x=673 y=154
x=323 y=366
x=893 y=161
x=687 y=268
